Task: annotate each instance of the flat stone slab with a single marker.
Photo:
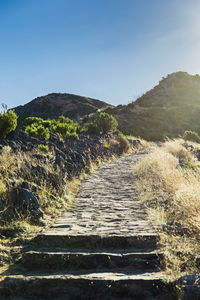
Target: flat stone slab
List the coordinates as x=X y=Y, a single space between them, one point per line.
x=92 y=275
x=111 y=241
x=105 y=285
x=35 y=260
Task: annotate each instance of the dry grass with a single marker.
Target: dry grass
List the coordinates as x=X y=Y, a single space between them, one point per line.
x=176 y=189
x=175 y=147
x=17 y=168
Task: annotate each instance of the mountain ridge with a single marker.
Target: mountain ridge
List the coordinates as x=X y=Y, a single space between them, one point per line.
x=55 y=104
x=168 y=109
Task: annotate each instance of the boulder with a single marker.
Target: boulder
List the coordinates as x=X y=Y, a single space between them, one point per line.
x=175 y=228
x=190 y=285
x=25 y=200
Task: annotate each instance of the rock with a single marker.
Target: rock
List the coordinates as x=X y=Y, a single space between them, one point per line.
x=135 y=143
x=197 y=153
x=25 y=201
x=60 y=161
x=152 y=203
x=191 y=148
x=38 y=171
x=175 y=228
x=181 y=162
x=190 y=284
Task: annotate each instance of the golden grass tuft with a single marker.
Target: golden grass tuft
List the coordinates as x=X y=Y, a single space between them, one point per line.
x=160 y=168
x=176 y=148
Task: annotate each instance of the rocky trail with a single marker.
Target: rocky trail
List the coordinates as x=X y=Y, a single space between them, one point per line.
x=104 y=247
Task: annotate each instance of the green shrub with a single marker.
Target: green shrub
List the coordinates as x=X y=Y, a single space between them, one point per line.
x=92 y=128
x=36 y=122
x=65 y=127
x=46 y=123
x=32 y=120
x=103 y=124
x=44 y=148
x=106 y=123
x=65 y=130
x=8 y=122
x=124 y=144
x=65 y=120
x=85 y=118
x=191 y=136
x=39 y=131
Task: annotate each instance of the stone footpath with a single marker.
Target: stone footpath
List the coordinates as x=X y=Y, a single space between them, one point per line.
x=103 y=247
x=107 y=204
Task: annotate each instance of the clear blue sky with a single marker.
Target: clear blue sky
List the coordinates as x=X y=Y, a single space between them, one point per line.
x=112 y=50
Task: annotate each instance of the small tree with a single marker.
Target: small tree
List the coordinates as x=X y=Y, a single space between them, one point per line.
x=103 y=124
x=106 y=123
x=8 y=121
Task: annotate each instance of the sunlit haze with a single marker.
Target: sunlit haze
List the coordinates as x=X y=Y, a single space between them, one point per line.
x=113 y=50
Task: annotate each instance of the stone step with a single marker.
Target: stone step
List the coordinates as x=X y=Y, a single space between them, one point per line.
x=35 y=260
x=94 y=285
x=62 y=240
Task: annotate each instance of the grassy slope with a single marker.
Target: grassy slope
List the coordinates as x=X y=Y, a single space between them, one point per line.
x=169 y=109
x=169 y=183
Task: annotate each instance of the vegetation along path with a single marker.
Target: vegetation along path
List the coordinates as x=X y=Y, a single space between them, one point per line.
x=103 y=247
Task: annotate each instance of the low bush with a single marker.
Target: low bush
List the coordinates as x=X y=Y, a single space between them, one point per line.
x=92 y=128
x=44 y=148
x=39 y=127
x=8 y=122
x=32 y=120
x=65 y=127
x=191 y=136
x=39 y=131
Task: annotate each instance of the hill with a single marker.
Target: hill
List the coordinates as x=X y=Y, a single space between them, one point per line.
x=169 y=109
x=56 y=104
